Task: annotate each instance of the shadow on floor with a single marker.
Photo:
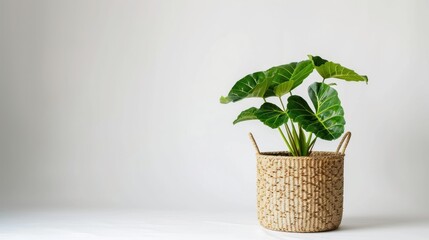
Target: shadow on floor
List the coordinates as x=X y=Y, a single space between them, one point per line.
x=367 y=227
x=370 y=222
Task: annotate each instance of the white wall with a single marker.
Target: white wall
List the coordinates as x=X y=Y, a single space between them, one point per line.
x=115 y=103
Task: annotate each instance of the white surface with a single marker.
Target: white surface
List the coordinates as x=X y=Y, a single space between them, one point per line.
x=114 y=225
x=114 y=103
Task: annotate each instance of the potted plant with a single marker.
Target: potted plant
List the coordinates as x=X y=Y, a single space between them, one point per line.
x=299 y=190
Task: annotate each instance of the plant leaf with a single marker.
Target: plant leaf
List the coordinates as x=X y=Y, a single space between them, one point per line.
x=284 y=88
x=224 y=100
x=252 y=85
x=285 y=78
x=329 y=69
x=248 y=114
x=327 y=121
x=271 y=115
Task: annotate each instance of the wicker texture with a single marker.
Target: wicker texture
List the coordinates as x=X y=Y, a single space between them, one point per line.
x=300 y=194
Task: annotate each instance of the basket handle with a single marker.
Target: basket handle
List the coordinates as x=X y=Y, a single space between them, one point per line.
x=255 y=145
x=346 y=138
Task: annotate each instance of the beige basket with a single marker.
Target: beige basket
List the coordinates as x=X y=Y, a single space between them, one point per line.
x=300 y=194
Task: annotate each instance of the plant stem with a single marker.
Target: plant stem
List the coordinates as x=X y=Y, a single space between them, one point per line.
x=298 y=144
x=309 y=139
x=284 y=139
x=280 y=130
x=312 y=144
x=294 y=149
x=284 y=109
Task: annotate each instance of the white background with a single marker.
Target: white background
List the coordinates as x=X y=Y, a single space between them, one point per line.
x=115 y=104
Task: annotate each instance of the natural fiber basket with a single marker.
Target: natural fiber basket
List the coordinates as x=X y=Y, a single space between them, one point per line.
x=300 y=194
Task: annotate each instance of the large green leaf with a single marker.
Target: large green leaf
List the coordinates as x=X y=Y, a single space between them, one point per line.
x=284 y=88
x=285 y=78
x=271 y=115
x=252 y=85
x=328 y=69
x=327 y=121
x=248 y=114
x=276 y=81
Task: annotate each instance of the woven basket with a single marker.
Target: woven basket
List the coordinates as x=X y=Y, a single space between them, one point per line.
x=300 y=194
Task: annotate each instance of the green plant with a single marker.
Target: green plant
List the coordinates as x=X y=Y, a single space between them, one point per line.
x=303 y=124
